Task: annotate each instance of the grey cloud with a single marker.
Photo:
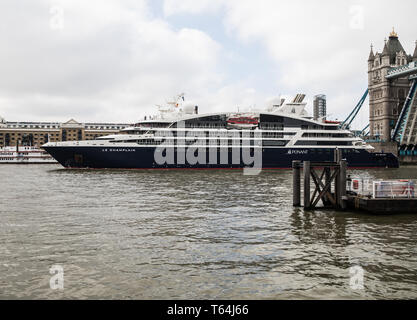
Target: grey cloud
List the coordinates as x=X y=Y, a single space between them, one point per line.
x=109 y=64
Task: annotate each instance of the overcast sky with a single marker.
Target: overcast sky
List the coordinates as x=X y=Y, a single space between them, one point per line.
x=113 y=60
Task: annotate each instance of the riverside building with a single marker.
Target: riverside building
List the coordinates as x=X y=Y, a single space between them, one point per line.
x=39 y=133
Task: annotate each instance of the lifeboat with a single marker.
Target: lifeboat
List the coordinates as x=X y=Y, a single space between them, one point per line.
x=242 y=122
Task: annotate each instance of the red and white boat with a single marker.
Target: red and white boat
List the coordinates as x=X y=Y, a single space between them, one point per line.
x=243 y=121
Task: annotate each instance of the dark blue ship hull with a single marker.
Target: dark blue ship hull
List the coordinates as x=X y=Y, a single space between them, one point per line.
x=272 y=158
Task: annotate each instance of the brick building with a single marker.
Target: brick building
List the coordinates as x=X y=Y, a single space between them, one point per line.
x=38 y=133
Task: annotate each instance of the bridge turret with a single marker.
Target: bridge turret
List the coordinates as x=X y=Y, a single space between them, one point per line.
x=415 y=53
x=385 y=55
x=371 y=54
x=386 y=96
x=371 y=62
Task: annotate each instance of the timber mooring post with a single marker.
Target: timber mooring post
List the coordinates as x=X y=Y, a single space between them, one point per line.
x=327 y=181
x=342 y=187
x=337 y=191
x=296 y=183
x=307 y=168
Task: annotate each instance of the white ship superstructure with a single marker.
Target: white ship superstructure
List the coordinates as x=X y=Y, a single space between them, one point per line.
x=25 y=154
x=282 y=133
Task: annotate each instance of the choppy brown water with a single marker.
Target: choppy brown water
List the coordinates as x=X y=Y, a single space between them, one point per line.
x=192 y=235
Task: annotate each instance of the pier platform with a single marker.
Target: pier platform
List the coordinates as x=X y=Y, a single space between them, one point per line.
x=335 y=190
x=382 y=206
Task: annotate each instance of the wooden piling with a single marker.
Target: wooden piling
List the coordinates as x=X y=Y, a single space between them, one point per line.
x=342 y=187
x=337 y=193
x=332 y=173
x=307 y=169
x=296 y=183
x=327 y=181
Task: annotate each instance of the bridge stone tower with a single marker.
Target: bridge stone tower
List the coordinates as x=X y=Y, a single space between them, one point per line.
x=386 y=97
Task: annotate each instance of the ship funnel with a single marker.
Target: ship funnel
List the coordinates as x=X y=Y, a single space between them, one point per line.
x=299 y=98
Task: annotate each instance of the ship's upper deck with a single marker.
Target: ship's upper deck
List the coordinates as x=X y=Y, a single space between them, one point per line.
x=274 y=116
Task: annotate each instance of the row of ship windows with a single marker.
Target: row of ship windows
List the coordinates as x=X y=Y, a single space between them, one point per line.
x=323 y=143
x=239 y=142
x=187 y=142
x=271 y=134
x=216 y=125
x=238 y=134
x=261 y=126
x=270 y=126
x=249 y=134
x=325 y=135
x=274 y=126
x=226 y=134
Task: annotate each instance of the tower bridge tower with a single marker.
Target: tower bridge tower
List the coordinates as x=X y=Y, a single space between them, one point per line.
x=387 y=96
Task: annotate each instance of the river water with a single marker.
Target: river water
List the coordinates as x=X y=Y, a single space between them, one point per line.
x=193 y=235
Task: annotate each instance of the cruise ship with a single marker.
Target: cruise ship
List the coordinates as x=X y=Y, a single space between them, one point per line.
x=24 y=155
x=180 y=137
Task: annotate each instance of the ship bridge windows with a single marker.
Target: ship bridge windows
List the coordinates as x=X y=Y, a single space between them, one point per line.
x=287 y=122
x=271 y=118
x=214 y=121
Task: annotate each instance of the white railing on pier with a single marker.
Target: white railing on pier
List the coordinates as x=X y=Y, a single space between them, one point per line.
x=382 y=188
